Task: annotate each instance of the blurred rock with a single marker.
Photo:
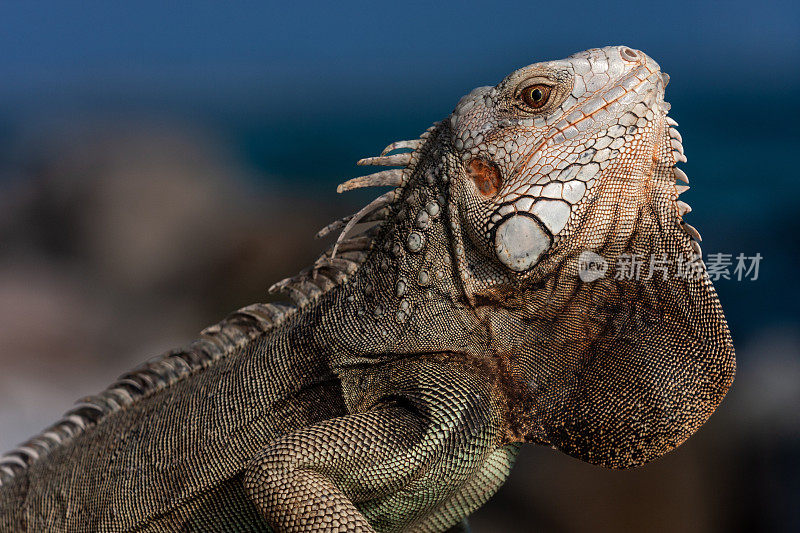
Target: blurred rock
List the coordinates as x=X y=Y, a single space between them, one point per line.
x=121 y=243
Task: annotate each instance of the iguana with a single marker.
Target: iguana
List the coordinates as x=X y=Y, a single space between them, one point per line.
x=418 y=354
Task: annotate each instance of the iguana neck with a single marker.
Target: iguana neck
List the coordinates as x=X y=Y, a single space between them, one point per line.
x=406 y=299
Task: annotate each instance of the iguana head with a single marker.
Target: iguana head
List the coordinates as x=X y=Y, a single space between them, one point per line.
x=562 y=164
x=543 y=146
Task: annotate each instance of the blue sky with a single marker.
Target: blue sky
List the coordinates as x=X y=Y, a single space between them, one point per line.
x=307 y=50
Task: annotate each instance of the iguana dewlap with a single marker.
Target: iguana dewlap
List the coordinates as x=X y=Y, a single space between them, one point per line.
x=417 y=355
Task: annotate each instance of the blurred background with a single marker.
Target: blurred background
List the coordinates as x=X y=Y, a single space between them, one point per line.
x=162 y=164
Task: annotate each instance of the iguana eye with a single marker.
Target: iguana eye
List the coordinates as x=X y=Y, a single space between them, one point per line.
x=535 y=96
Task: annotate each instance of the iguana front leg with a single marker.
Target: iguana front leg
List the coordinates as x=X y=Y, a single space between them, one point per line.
x=472 y=495
x=380 y=470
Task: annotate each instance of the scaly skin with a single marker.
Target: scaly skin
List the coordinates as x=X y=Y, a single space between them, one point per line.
x=419 y=355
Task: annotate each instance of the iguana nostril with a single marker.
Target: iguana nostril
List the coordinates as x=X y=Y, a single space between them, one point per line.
x=629 y=54
x=485 y=175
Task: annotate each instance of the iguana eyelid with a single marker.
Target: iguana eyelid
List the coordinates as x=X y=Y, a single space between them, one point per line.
x=535 y=80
